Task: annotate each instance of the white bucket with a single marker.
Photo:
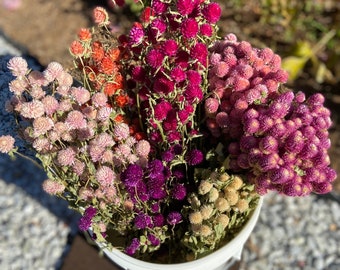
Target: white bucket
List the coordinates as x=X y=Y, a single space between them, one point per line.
x=220 y=259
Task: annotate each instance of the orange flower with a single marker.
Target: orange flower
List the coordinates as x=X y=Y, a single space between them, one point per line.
x=77 y=48
x=121 y=100
x=114 y=54
x=84 y=34
x=100 y=16
x=107 y=66
x=110 y=88
x=97 y=51
x=119 y=118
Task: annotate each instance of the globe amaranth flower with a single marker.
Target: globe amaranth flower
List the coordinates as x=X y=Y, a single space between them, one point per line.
x=179 y=192
x=212 y=12
x=178 y=74
x=132 y=175
x=133 y=247
x=136 y=35
x=194 y=157
x=66 y=156
x=142 y=221
x=86 y=220
x=18 y=66
x=170 y=47
x=174 y=218
x=163 y=85
x=189 y=28
x=75 y=120
x=161 y=110
x=6 y=144
x=185 y=7
x=154 y=58
x=52 y=187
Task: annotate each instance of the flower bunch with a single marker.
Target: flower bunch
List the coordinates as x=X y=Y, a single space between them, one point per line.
x=168 y=135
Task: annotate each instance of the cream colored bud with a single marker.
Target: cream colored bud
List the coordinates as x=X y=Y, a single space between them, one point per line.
x=242 y=205
x=204 y=187
x=206 y=211
x=231 y=195
x=205 y=230
x=236 y=183
x=213 y=195
x=195 y=218
x=224 y=177
x=222 y=205
x=223 y=220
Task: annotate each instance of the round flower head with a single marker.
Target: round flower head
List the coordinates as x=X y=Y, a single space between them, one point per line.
x=53 y=71
x=136 y=35
x=75 y=120
x=121 y=131
x=105 y=176
x=194 y=157
x=170 y=47
x=212 y=12
x=18 y=66
x=6 y=144
x=174 y=218
x=155 y=58
x=52 y=187
x=66 y=156
x=100 y=16
x=189 y=28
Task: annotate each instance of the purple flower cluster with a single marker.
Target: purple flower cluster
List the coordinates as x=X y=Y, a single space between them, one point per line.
x=286 y=150
x=86 y=220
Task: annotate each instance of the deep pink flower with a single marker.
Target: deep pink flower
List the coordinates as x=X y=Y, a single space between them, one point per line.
x=158 y=6
x=212 y=12
x=194 y=157
x=193 y=77
x=179 y=192
x=154 y=58
x=185 y=7
x=161 y=110
x=158 y=27
x=178 y=74
x=193 y=93
x=206 y=30
x=136 y=35
x=138 y=73
x=189 y=28
x=211 y=105
x=174 y=218
x=163 y=85
x=170 y=47
x=200 y=52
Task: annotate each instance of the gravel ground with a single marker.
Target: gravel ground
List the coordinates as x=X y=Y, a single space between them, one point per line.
x=292 y=233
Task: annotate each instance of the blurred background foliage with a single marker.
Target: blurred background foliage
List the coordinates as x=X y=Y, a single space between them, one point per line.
x=305 y=33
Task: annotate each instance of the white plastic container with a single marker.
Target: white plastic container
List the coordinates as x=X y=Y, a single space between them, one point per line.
x=221 y=259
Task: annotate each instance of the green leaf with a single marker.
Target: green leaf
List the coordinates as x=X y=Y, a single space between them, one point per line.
x=294 y=66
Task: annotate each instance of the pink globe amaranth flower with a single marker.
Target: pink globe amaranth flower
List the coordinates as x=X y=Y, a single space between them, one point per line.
x=178 y=74
x=185 y=7
x=212 y=12
x=65 y=79
x=121 y=131
x=251 y=125
x=42 y=125
x=157 y=28
x=18 y=86
x=215 y=58
x=322 y=188
x=163 y=85
x=244 y=70
x=242 y=161
x=99 y=99
x=193 y=93
x=200 y=52
x=170 y=47
x=161 y=110
x=316 y=99
x=154 y=58
x=136 y=35
x=206 y=30
x=80 y=94
x=221 y=69
x=138 y=74
x=158 y=6
x=75 y=120
x=52 y=187
x=222 y=119
x=268 y=162
x=281 y=175
x=105 y=176
x=193 y=77
x=78 y=167
x=248 y=143
x=295 y=142
x=6 y=144
x=51 y=104
x=66 y=157
x=189 y=28
x=53 y=71
x=32 y=109
x=18 y=66
x=268 y=144
x=103 y=140
x=211 y=105
x=143 y=148
x=42 y=145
